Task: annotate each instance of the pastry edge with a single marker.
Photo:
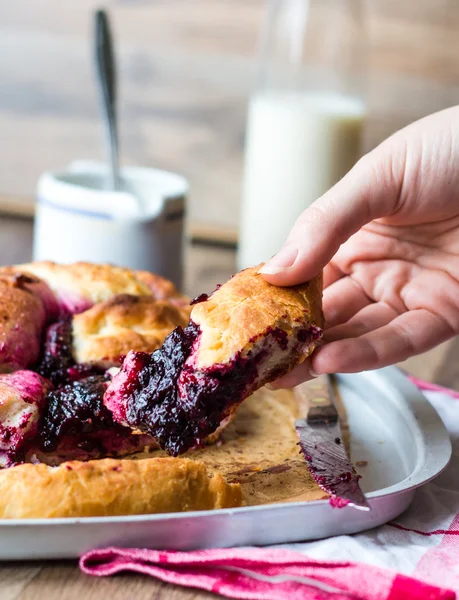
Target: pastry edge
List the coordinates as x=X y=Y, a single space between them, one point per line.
x=113 y=487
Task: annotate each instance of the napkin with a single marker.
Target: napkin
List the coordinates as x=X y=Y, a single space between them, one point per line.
x=263 y=574
x=416 y=557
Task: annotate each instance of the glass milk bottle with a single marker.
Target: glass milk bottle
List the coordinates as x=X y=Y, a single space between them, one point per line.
x=305 y=117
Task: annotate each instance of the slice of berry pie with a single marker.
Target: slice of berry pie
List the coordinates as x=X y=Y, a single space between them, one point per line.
x=246 y=334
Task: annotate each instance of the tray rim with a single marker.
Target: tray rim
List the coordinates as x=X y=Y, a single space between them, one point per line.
x=396 y=379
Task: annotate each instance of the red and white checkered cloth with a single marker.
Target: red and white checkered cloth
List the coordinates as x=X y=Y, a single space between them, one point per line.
x=416 y=557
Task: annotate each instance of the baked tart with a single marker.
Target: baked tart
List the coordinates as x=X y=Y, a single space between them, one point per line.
x=100 y=363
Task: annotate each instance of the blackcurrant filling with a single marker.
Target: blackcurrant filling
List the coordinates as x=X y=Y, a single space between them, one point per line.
x=75 y=414
x=57 y=363
x=164 y=395
x=76 y=409
x=148 y=391
x=208 y=397
x=12 y=444
x=19 y=424
x=201 y=298
x=57 y=352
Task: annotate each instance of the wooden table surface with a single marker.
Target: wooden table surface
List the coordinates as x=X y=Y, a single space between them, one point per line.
x=186 y=68
x=61 y=580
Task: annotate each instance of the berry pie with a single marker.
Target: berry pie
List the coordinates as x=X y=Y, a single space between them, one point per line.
x=101 y=363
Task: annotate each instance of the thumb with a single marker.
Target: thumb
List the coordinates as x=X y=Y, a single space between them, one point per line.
x=369 y=191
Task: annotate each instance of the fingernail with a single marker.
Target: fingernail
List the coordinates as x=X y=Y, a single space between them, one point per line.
x=313 y=373
x=281 y=262
x=269 y=269
x=270 y=387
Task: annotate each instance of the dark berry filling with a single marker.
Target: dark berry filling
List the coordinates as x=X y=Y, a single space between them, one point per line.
x=19 y=419
x=208 y=397
x=75 y=417
x=76 y=409
x=149 y=390
x=57 y=352
x=57 y=363
x=165 y=396
x=200 y=298
x=203 y=297
x=281 y=337
x=98 y=444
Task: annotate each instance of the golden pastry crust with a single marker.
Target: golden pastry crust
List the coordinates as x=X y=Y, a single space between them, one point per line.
x=85 y=283
x=161 y=288
x=80 y=285
x=111 y=487
x=245 y=308
x=110 y=329
x=22 y=319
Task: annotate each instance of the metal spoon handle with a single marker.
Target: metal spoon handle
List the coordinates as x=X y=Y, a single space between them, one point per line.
x=106 y=75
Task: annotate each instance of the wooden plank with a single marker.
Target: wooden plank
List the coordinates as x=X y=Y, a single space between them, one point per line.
x=184 y=82
x=14 y=578
x=197 y=232
x=63 y=581
x=208 y=234
x=15 y=240
x=17 y=207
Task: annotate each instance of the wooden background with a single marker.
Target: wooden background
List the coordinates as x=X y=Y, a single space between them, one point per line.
x=185 y=70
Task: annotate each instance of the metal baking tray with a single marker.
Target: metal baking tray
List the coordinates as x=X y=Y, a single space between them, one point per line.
x=393 y=427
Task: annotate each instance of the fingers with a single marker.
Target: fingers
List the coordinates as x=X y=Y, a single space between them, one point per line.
x=402 y=337
x=342 y=300
x=369 y=191
x=371 y=317
x=331 y=274
x=297 y=375
x=408 y=334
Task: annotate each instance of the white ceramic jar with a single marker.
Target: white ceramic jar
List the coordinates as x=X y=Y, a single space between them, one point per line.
x=140 y=227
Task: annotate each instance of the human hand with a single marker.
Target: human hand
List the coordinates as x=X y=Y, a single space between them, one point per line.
x=387 y=236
